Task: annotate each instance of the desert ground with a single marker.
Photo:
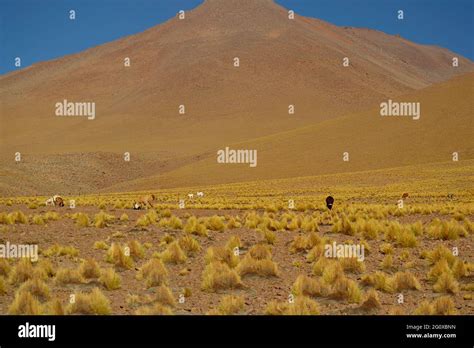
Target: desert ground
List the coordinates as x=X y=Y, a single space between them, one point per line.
x=240 y=249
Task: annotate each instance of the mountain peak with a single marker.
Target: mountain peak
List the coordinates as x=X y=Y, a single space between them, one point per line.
x=239 y=3
x=237 y=7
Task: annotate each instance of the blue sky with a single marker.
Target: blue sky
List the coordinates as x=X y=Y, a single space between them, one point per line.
x=39 y=30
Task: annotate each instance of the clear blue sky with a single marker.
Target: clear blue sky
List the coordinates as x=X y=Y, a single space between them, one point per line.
x=39 y=30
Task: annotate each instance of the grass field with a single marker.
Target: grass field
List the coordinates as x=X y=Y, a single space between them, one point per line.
x=243 y=249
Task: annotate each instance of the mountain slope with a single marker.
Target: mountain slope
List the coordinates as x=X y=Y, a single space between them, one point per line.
x=372 y=141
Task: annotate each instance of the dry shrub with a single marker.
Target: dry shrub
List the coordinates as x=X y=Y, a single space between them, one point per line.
x=305 y=242
x=89 y=269
x=193 y=226
x=233 y=242
x=173 y=254
x=164 y=295
x=5 y=267
x=61 y=250
x=379 y=281
x=405 y=281
x=320 y=265
x=345 y=288
x=229 y=305
x=25 y=303
x=263 y=268
x=189 y=245
x=155 y=309
x=137 y=251
x=37 y=288
x=54 y=307
x=110 y=279
x=219 y=276
x=352 y=265
x=443 y=305
x=94 y=302
x=68 y=276
x=24 y=271
x=306 y=286
x=154 y=273
x=371 y=301
x=222 y=254
x=101 y=245
x=446 y=283
x=3 y=286
x=332 y=272
x=302 y=305
x=260 y=252
x=117 y=256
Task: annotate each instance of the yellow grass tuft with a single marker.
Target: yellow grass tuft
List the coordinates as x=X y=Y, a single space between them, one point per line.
x=446 y=230
x=153 y=272
x=25 y=303
x=219 y=276
x=306 y=286
x=173 y=254
x=233 y=242
x=263 y=268
x=94 y=302
x=110 y=279
x=345 y=288
x=379 y=281
x=22 y=272
x=137 y=251
x=190 y=245
x=229 y=305
x=3 y=285
x=215 y=223
x=222 y=254
x=101 y=245
x=53 y=307
x=352 y=265
x=371 y=301
x=155 y=309
x=444 y=306
x=117 y=256
x=89 y=269
x=405 y=281
x=305 y=242
x=82 y=220
x=37 y=288
x=387 y=262
x=124 y=217
x=193 y=226
x=260 y=252
x=68 y=276
x=332 y=272
x=61 y=250
x=102 y=219
x=37 y=220
x=446 y=283
x=5 y=267
x=164 y=296
x=302 y=305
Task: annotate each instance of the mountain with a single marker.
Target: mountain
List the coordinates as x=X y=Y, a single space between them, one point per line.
x=373 y=142
x=190 y=62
